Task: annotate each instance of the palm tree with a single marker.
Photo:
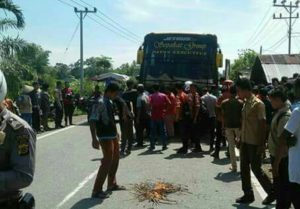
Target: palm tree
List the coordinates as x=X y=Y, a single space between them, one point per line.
x=18 y=22
x=9 y=46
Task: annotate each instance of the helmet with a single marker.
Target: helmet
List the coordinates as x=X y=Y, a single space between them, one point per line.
x=3 y=86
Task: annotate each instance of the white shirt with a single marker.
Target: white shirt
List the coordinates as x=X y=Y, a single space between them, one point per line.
x=210 y=102
x=293 y=126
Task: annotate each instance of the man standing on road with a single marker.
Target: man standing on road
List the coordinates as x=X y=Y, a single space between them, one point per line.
x=104 y=133
x=210 y=101
x=159 y=103
x=35 y=100
x=24 y=104
x=278 y=99
x=170 y=114
x=232 y=115
x=142 y=115
x=45 y=106
x=252 y=140
x=58 y=105
x=290 y=140
x=183 y=117
x=68 y=100
x=17 y=157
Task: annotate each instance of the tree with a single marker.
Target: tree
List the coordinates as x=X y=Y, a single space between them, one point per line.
x=63 y=71
x=128 y=69
x=35 y=56
x=97 y=66
x=18 y=22
x=244 y=62
x=8 y=45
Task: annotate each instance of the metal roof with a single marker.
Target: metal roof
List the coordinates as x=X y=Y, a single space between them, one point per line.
x=280 y=59
x=279 y=70
x=279 y=65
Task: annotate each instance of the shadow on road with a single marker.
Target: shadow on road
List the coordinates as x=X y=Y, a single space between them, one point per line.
x=224 y=161
x=228 y=177
x=96 y=159
x=148 y=152
x=86 y=203
x=186 y=156
x=241 y=206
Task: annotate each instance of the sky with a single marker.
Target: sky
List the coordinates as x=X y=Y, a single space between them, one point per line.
x=238 y=24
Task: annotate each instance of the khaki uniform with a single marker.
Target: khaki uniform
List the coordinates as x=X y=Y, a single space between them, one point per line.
x=252 y=114
x=17 y=156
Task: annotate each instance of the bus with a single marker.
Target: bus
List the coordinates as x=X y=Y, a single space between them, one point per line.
x=170 y=58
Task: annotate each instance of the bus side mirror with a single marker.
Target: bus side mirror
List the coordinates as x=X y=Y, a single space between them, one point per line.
x=140 y=56
x=219 y=59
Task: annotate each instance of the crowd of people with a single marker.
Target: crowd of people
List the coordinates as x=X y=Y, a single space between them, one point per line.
x=34 y=105
x=239 y=115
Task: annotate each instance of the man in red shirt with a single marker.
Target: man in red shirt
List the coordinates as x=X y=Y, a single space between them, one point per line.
x=171 y=113
x=67 y=94
x=159 y=103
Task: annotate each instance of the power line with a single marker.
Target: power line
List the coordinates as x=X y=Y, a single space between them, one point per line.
x=297 y=44
x=263 y=32
x=65 y=3
x=112 y=20
x=254 y=40
x=75 y=2
x=278 y=43
x=72 y=37
x=115 y=28
x=290 y=10
x=116 y=32
x=273 y=30
x=82 y=15
x=260 y=24
x=108 y=28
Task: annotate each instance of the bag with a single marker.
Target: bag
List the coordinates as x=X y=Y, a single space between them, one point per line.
x=292 y=141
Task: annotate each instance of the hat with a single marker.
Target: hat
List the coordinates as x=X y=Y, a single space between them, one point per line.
x=27 y=89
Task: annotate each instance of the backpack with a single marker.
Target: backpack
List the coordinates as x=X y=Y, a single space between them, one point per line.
x=292 y=141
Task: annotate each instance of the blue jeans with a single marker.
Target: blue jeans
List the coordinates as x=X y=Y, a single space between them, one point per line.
x=158 y=130
x=27 y=117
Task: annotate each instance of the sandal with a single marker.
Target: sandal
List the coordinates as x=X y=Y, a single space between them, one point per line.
x=116 y=188
x=100 y=195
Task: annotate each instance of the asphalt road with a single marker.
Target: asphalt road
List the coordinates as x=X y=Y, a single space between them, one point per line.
x=66 y=169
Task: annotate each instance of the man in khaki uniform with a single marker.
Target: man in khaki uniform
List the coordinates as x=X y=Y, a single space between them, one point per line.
x=252 y=140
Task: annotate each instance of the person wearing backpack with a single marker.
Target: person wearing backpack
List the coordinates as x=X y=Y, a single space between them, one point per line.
x=232 y=115
x=183 y=118
x=279 y=101
x=195 y=128
x=142 y=116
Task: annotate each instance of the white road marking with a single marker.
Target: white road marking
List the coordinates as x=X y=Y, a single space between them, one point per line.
x=77 y=189
x=59 y=131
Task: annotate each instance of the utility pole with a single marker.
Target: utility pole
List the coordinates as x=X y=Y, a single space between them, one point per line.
x=291 y=10
x=261 y=50
x=82 y=15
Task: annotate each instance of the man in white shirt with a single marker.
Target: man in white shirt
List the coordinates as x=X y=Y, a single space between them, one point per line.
x=291 y=139
x=210 y=101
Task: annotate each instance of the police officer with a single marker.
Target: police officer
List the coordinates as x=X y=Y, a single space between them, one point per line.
x=17 y=157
